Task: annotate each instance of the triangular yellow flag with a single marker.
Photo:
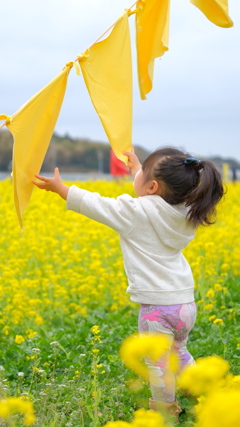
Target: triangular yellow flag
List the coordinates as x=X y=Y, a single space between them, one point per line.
x=107 y=72
x=32 y=127
x=152 y=33
x=216 y=11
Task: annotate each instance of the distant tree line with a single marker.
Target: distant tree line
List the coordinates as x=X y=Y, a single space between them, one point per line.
x=70 y=155
x=79 y=155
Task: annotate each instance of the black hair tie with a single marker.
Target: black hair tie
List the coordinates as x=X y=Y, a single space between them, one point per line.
x=191 y=161
x=195 y=163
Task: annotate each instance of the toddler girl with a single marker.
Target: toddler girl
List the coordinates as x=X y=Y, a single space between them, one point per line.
x=176 y=193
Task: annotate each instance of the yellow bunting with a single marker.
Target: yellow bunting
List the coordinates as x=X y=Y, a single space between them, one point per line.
x=32 y=127
x=4 y=117
x=107 y=71
x=216 y=11
x=152 y=33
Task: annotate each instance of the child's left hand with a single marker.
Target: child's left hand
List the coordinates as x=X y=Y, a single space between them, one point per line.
x=54 y=184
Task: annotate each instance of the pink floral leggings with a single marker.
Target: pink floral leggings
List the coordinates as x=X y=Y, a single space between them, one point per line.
x=176 y=321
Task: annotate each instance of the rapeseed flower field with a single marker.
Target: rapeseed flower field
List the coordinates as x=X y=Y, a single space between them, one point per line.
x=65 y=313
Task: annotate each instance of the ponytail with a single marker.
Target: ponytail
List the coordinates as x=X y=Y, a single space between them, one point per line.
x=203 y=199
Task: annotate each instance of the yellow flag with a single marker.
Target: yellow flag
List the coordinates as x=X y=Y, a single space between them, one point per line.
x=32 y=127
x=107 y=72
x=152 y=33
x=216 y=11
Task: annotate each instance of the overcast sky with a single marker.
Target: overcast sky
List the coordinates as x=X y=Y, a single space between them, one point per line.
x=195 y=101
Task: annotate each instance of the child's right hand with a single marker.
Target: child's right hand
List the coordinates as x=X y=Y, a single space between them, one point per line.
x=133 y=163
x=54 y=184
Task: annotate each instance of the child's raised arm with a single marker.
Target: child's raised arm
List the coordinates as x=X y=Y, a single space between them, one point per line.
x=54 y=184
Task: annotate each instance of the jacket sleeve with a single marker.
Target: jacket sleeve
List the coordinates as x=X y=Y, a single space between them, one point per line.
x=118 y=214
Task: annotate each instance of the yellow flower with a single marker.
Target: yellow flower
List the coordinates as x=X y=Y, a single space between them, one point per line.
x=137 y=347
x=218 y=322
x=95 y=330
x=6 y=330
x=218 y=287
x=13 y=405
x=30 y=333
x=29 y=419
x=173 y=362
x=143 y=418
x=208 y=307
x=232 y=381
x=204 y=375
x=39 y=320
x=220 y=409
x=225 y=267
x=117 y=424
x=211 y=318
x=210 y=293
x=19 y=339
x=198 y=407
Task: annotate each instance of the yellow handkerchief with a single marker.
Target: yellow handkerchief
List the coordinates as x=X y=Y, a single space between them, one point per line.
x=216 y=11
x=32 y=127
x=107 y=72
x=152 y=33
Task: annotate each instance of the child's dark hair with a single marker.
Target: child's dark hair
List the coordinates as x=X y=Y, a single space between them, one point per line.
x=184 y=179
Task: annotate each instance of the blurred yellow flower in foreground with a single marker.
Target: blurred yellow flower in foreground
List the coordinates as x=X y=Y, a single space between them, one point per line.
x=148 y=418
x=203 y=376
x=219 y=409
x=117 y=424
x=142 y=418
x=149 y=346
x=232 y=381
x=13 y=405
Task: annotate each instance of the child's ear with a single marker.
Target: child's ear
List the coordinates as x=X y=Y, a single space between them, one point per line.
x=153 y=187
